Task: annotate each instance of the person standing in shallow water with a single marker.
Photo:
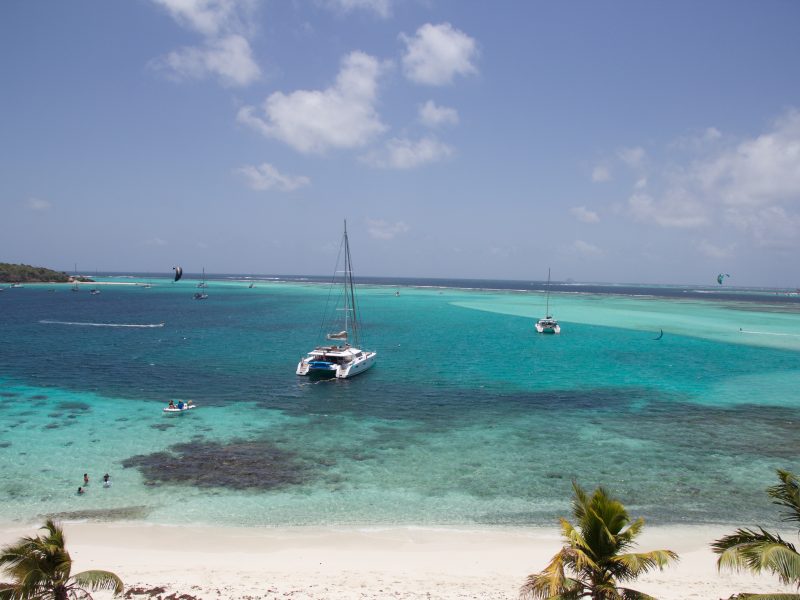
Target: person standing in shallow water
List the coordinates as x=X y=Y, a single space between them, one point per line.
x=85 y=479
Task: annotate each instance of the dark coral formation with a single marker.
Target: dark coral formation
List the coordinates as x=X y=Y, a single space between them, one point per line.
x=103 y=514
x=239 y=465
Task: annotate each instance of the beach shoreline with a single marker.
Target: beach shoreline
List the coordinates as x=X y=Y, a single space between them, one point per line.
x=369 y=562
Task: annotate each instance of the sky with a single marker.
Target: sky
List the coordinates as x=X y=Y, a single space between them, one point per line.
x=628 y=141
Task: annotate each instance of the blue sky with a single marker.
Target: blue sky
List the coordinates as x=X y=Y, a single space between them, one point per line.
x=610 y=141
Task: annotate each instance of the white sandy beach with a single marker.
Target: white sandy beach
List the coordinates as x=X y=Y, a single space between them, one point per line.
x=403 y=562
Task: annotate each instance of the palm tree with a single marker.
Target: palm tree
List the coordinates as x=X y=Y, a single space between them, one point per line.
x=760 y=550
x=596 y=555
x=41 y=568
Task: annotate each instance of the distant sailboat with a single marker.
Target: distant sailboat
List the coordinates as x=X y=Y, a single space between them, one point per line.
x=94 y=291
x=660 y=335
x=548 y=324
x=75 y=280
x=201 y=295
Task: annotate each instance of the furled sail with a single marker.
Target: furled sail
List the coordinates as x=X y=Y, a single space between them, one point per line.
x=342 y=335
x=178 y=273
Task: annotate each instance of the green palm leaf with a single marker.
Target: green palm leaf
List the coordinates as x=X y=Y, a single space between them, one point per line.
x=787 y=494
x=593 y=559
x=760 y=550
x=99 y=580
x=40 y=568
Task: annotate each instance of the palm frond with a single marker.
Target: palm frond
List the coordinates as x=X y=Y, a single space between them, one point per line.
x=536 y=587
x=758 y=551
x=787 y=494
x=99 y=580
x=638 y=563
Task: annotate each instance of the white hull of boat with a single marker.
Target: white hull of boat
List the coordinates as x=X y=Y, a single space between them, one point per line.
x=174 y=410
x=547 y=327
x=354 y=367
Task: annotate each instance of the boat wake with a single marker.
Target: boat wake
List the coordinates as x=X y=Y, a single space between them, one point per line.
x=136 y=325
x=769 y=333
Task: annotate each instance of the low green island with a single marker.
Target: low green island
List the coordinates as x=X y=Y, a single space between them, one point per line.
x=10 y=273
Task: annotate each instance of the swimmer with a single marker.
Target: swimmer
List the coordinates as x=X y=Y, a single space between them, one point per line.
x=80 y=491
x=85 y=479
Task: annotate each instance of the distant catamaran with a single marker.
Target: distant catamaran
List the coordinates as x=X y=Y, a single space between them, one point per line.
x=548 y=324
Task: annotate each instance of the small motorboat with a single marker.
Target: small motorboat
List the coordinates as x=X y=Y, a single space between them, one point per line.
x=179 y=408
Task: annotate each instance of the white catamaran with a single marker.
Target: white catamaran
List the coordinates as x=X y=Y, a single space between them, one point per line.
x=548 y=324
x=341 y=359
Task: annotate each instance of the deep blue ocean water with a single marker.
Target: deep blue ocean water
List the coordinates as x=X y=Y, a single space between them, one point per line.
x=469 y=417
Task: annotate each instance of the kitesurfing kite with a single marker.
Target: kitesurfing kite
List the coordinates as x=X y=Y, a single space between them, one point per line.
x=721 y=276
x=660 y=335
x=178 y=273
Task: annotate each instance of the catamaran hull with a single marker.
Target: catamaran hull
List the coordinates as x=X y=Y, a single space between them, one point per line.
x=547 y=328
x=331 y=370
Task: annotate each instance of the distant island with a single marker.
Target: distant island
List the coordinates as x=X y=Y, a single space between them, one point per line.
x=27 y=274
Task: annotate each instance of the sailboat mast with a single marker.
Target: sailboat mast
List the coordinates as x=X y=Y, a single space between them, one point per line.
x=345 y=279
x=349 y=292
x=547 y=296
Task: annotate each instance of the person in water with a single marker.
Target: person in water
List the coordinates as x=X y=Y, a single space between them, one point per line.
x=80 y=491
x=85 y=479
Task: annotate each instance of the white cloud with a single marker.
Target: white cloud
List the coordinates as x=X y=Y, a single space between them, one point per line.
x=752 y=185
x=437 y=53
x=586 y=249
x=38 y=204
x=584 y=214
x=382 y=230
x=341 y=116
x=677 y=210
x=408 y=154
x=712 y=251
x=601 y=173
x=208 y=17
x=230 y=58
x=769 y=226
x=432 y=115
x=641 y=183
x=154 y=242
x=697 y=140
x=267 y=177
x=632 y=157
x=711 y=134
x=760 y=171
x=382 y=8
x=225 y=52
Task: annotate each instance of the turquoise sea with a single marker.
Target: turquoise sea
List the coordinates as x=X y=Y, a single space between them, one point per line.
x=468 y=418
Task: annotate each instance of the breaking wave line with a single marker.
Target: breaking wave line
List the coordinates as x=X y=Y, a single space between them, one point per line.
x=136 y=325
